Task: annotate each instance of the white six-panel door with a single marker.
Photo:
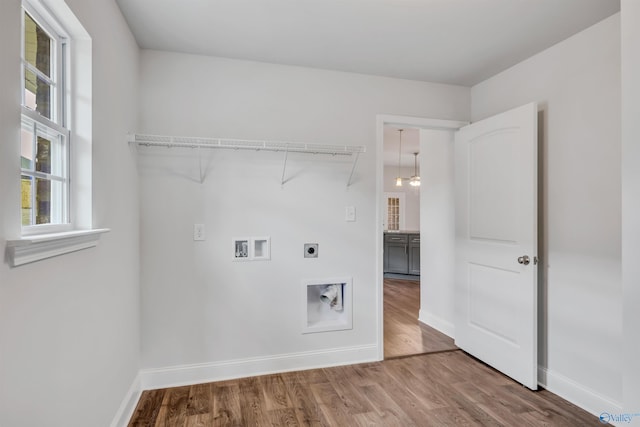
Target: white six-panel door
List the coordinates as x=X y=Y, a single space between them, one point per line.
x=496 y=242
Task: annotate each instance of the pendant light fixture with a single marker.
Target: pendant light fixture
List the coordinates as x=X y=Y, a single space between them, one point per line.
x=415 y=179
x=399 y=178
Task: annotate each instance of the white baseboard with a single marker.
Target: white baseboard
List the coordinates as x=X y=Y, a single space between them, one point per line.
x=437 y=323
x=584 y=397
x=173 y=376
x=128 y=404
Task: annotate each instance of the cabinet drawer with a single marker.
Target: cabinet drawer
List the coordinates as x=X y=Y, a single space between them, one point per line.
x=414 y=239
x=396 y=238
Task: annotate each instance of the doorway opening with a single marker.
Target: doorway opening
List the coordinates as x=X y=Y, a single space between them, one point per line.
x=406 y=326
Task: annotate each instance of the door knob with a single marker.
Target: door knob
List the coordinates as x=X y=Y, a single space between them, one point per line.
x=523 y=260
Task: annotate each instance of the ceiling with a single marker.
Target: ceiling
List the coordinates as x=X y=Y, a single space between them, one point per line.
x=449 y=41
x=459 y=42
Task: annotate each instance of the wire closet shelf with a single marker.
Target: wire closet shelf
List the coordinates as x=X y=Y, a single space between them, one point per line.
x=244 y=144
x=145 y=140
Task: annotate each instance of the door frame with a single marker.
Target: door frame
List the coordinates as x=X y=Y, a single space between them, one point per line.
x=381 y=121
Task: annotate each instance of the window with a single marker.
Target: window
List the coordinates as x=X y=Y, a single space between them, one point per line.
x=56 y=135
x=394 y=213
x=45 y=132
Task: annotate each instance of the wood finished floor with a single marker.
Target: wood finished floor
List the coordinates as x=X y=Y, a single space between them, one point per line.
x=403 y=333
x=438 y=389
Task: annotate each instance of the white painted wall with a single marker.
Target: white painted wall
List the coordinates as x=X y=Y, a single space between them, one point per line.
x=437 y=230
x=412 y=195
x=577 y=86
x=199 y=307
x=630 y=11
x=69 y=326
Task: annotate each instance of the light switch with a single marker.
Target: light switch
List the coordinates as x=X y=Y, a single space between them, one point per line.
x=350 y=213
x=198 y=232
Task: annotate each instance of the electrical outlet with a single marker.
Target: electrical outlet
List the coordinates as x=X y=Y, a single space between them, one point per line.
x=311 y=250
x=198 y=232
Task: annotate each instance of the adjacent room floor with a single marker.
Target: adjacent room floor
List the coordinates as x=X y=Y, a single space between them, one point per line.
x=403 y=334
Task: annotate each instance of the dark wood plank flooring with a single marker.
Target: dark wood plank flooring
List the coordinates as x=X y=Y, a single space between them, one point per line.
x=437 y=386
x=403 y=333
x=438 y=389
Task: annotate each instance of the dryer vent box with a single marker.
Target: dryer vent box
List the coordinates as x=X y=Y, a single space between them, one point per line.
x=321 y=315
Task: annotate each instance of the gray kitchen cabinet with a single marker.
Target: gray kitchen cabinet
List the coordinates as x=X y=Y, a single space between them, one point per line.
x=395 y=253
x=414 y=254
x=402 y=253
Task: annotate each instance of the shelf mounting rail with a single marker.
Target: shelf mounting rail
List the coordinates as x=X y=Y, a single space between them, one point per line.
x=143 y=140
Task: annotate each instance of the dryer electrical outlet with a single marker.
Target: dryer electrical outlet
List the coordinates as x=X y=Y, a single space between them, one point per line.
x=311 y=250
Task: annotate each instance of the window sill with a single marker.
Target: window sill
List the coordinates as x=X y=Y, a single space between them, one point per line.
x=35 y=248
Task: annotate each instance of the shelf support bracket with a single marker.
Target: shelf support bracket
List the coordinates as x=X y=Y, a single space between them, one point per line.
x=353 y=168
x=202 y=175
x=284 y=166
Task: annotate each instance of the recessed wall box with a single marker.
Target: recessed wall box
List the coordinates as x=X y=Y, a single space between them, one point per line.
x=260 y=248
x=241 y=248
x=311 y=250
x=251 y=248
x=327 y=305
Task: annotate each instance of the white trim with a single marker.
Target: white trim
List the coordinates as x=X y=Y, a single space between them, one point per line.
x=35 y=248
x=41 y=11
x=174 y=376
x=128 y=405
x=381 y=121
x=421 y=122
x=44 y=121
x=584 y=397
x=437 y=323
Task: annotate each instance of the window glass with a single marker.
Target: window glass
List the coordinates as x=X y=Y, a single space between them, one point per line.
x=44 y=177
x=37 y=46
x=38 y=74
x=43 y=156
x=37 y=94
x=43 y=201
x=26 y=146
x=43 y=141
x=27 y=200
x=393 y=213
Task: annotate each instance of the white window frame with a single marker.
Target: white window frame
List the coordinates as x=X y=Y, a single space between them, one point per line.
x=42 y=241
x=59 y=122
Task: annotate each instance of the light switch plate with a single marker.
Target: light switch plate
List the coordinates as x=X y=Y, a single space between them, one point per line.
x=350 y=213
x=198 y=232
